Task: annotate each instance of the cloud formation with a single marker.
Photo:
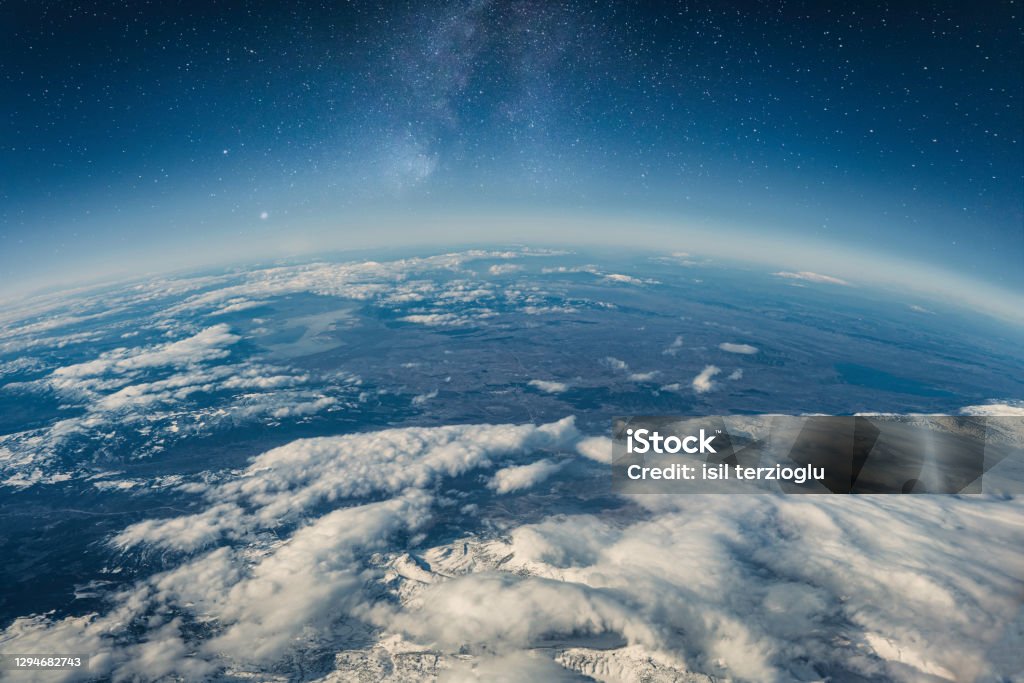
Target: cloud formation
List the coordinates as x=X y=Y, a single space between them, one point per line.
x=675 y=347
x=318 y=539
x=745 y=349
x=808 y=276
x=521 y=477
x=549 y=386
x=703 y=382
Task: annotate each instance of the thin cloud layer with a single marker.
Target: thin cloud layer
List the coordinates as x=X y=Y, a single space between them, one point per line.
x=808 y=276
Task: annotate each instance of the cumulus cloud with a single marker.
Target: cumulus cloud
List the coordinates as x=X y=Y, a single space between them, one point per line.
x=736 y=374
x=808 y=276
x=756 y=588
x=616 y=364
x=516 y=478
x=209 y=344
x=306 y=583
x=267 y=599
x=749 y=589
x=548 y=386
x=746 y=349
x=597 y=448
x=621 y=366
x=281 y=484
x=703 y=383
x=512 y=612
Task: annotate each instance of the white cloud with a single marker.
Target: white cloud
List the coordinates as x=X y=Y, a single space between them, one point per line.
x=755 y=588
x=548 y=386
x=703 y=383
x=616 y=364
x=504 y=268
x=597 y=448
x=881 y=588
x=269 y=599
x=209 y=344
x=674 y=348
x=738 y=348
x=117 y=406
x=622 y=366
x=437 y=319
x=511 y=612
x=736 y=374
x=996 y=409
x=284 y=482
x=516 y=478
x=625 y=279
x=420 y=399
x=812 y=277
x=643 y=376
x=307 y=582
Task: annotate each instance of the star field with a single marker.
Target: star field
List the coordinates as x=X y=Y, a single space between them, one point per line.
x=881 y=123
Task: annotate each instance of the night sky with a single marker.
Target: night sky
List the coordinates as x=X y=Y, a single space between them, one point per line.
x=136 y=131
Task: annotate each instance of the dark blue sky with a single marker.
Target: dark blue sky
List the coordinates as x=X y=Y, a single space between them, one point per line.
x=134 y=129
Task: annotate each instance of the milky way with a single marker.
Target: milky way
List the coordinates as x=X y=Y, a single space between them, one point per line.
x=136 y=127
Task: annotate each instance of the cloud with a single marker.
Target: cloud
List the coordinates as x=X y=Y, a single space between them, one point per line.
x=625 y=279
x=622 y=366
x=510 y=612
x=209 y=344
x=736 y=374
x=738 y=348
x=187 y=401
x=702 y=383
x=747 y=589
x=616 y=364
x=548 y=386
x=267 y=600
x=504 y=268
x=643 y=376
x=812 y=277
x=420 y=399
x=314 y=535
x=307 y=582
x=281 y=484
x=560 y=543
x=674 y=348
x=520 y=477
x=996 y=409
x=437 y=319
x=195 y=380
x=597 y=448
